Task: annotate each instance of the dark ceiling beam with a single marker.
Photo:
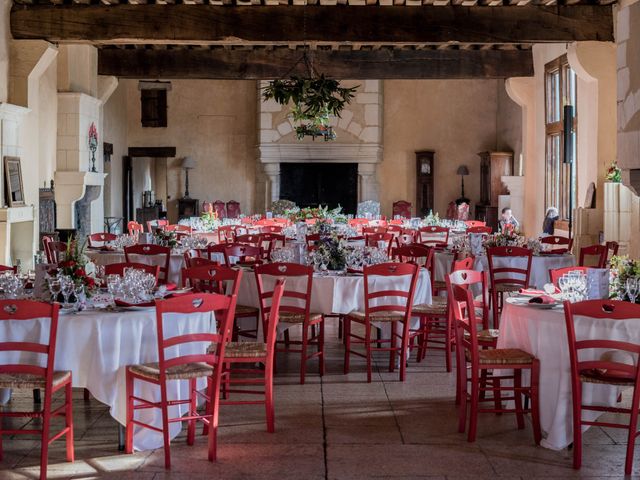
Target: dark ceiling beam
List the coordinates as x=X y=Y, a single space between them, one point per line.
x=248 y=64
x=203 y=23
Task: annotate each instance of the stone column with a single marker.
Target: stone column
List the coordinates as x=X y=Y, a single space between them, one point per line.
x=367 y=182
x=272 y=191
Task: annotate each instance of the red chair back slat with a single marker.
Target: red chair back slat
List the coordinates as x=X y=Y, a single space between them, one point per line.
x=118 y=268
x=434 y=235
x=514 y=275
x=373 y=230
x=28 y=352
x=5 y=268
x=233 y=209
x=207 y=303
x=402 y=208
x=556 y=273
x=381 y=299
x=212 y=279
x=101 y=238
x=481 y=229
x=271 y=229
x=177 y=228
x=413 y=252
x=599 y=251
x=149 y=250
x=249 y=239
x=200 y=262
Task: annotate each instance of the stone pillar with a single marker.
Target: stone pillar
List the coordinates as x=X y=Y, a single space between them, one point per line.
x=272 y=191
x=367 y=182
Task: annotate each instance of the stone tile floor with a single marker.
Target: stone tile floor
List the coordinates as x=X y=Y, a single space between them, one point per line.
x=337 y=427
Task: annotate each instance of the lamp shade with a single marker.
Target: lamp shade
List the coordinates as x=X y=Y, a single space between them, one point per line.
x=188 y=163
x=462 y=170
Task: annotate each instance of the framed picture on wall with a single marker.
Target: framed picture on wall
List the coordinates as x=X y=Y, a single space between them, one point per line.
x=14 y=191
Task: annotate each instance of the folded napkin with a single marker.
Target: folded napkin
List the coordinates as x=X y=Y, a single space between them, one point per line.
x=543 y=299
x=122 y=303
x=533 y=291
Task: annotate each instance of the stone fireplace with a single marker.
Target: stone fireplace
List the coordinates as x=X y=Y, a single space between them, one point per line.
x=359 y=142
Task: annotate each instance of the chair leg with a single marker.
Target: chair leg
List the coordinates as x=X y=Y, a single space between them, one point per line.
x=44 y=444
x=577 y=425
x=367 y=345
x=165 y=426
x=69 y=421
x=191 y=424
x=494 y=306
x=268 y=397
x=517 y=395
x=404 y=346
x=87 y=395
x=631 y=440
x=321 y=347
x=213 y=422
x=303 y=354
x=497 y=395
x=448 y=344
x=392 y=345
x=128 y=445
x=347 y=343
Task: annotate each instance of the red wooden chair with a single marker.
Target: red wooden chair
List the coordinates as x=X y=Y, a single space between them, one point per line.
x=373 y=230
x=177 y=228
x=612 y=250
x=247 y=254
x=372 y=239
x=271 y=241
x=183 y=367
x=386 y=305
x=251 y=353
x=312 y=240
x=402 y=208
x=233 y=209
x=395 y=230
x=215 y=278
x=24 y=374
x=590 y=366
x=482 y=229
x=466 y=263
x=57 y=250
x=215 y=253
x=218 y=207
x=226 y=234
x=156 y=224
x=558 y=244
x=249 y=239
x=192 y=262
x=506 y=278
x=97 y=240
x=119 y=268
x=134 y=228
x=599 y=251
x=162 y=254
x=474 y=223
x=556 y=273
x=414 y=253
x=476 y=360
x=295 y=309
x=46 y=240
x=434 y=236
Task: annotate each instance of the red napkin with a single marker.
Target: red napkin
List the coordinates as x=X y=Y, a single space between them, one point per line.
x=543 y=299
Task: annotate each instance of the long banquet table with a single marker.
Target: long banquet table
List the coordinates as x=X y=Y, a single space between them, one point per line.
x=540 y=265
x=543 y=334
x=97 y=346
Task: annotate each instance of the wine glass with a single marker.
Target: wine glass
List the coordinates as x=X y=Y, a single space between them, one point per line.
x=67 y=288
x=78 y=291
x=632 y=289
x=55 y=287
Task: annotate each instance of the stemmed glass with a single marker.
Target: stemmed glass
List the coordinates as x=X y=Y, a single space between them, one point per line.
x=78 y=290
x=632 y=289
x=67 y=288
x=55 y=287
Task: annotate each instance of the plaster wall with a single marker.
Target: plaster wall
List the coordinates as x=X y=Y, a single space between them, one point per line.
x=455 y=118
x=509 y=126
x=215 y=123
x=114 y=126
x=5 y=36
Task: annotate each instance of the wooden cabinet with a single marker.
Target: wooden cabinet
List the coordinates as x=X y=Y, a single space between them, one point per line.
x=188 y=207
x=425 y=163
x=493 y=166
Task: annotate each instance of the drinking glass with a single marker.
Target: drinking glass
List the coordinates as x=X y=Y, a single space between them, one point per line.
x=55 y=287
x=67 y=288
x=78 y=291
x=632 y=289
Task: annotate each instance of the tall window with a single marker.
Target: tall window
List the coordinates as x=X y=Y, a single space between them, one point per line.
x=560 y=177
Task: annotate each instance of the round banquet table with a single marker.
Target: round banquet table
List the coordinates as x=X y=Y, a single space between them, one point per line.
x=176 y=262
x=337 y=294
x=97 y=345
x=543 y=334
x=540 y=265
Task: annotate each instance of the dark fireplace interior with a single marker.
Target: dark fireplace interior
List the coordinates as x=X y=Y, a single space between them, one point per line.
x=313 y=184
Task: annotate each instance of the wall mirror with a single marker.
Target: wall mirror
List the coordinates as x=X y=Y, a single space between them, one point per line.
x=14 y=192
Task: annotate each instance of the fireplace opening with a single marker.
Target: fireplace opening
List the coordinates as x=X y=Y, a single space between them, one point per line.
x=313 y=184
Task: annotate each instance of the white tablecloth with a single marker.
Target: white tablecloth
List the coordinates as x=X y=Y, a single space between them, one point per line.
x=543 y=334
x=540 y=265
x=97 y=346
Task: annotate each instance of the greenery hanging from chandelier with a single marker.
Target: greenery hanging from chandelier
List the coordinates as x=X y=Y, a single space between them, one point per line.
x=314 y=99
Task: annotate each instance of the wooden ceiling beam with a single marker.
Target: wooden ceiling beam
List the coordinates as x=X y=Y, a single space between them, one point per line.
x=204 y=23
x=244 y=64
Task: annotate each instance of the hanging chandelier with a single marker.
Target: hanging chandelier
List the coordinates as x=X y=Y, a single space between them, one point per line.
x=314 y=97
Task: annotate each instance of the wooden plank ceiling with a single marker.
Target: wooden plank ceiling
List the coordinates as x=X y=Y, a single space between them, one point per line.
x=255 y=39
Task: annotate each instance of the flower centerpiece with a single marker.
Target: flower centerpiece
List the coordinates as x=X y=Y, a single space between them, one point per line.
x=614 y=174
x=509 y=237
x=433 y=219
x=209 y=219
x=622 y=269
x=76 y=265
x=166 y=239
x=330 y=253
